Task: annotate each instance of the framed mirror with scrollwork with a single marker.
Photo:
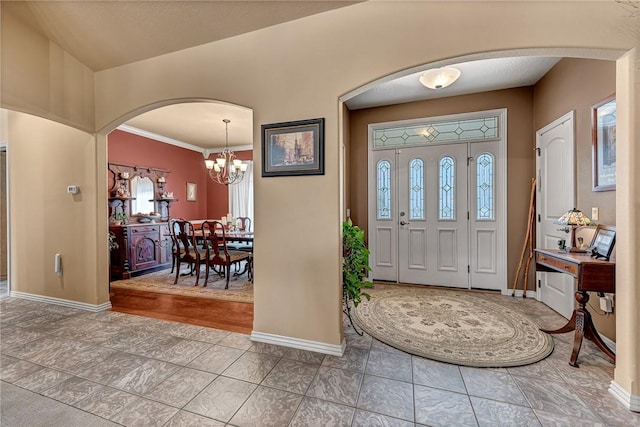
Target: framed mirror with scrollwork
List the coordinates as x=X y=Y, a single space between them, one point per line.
x=138 y=193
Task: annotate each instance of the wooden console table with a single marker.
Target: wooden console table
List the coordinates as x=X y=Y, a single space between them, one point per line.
x=592 y=275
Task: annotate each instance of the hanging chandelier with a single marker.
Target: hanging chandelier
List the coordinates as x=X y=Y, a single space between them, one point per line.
x=226 y=168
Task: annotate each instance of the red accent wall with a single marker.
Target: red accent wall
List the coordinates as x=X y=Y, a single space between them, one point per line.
x=184 y=165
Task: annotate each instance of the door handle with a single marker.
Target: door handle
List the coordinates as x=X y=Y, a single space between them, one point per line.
x=403 y=223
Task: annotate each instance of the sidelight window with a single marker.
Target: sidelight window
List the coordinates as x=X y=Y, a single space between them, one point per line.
x=384 y=189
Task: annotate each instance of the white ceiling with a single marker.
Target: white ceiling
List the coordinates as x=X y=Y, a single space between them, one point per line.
x=106 y=34
x=475 y=76
x=196 y=125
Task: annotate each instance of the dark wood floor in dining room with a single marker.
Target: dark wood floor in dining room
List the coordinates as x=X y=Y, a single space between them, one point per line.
x=226 y=315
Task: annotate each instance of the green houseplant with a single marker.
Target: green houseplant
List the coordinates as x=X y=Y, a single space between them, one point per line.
x=355 y=264
x=118 y=218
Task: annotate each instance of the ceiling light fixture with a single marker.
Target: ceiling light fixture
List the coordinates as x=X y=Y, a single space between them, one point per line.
x=438 y=78
x=226 y=168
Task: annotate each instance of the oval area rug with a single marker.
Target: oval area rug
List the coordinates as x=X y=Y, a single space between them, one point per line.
x=453 y=327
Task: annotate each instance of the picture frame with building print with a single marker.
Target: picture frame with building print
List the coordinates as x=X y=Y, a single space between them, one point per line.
x=293 y=148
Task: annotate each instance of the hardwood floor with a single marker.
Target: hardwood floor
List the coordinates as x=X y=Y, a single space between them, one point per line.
x=227 y=315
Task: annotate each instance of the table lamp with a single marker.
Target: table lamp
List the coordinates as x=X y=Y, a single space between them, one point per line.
x=573 y=219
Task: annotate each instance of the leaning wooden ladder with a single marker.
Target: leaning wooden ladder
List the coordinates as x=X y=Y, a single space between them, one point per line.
x=528 y=243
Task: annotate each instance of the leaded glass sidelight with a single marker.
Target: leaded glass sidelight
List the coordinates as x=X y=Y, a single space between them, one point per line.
x=416 y=189
x=485 y=186
x=384 y=189
x=447 y=187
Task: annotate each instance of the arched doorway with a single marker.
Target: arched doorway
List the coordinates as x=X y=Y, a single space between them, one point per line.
x=164 y=146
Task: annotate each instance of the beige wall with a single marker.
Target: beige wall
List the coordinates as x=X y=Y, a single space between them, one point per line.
x=294 y=71
x=43 y=79
x=45 y=220
x=520 y=140
x=577 y=84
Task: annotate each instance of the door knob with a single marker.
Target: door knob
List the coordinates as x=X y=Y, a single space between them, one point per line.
x=403 y=223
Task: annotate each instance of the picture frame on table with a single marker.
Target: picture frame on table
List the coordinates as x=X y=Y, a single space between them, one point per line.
x=603 y=140
x=191 y=191
x=293 y=148
x=603 y=241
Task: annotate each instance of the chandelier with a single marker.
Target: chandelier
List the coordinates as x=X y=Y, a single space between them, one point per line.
x=226 y=168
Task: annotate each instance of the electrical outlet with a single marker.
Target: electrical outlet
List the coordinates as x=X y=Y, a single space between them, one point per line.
x=595 y=213
x=606 y=304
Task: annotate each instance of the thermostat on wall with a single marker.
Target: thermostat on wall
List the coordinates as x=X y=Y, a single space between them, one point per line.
x=73 y=189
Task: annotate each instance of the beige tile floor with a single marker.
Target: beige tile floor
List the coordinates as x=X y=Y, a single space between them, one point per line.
x=65 y=367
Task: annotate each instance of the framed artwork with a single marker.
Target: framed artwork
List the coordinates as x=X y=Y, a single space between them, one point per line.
x=603 y=241
x=191 y=191
x=603 y=137
x=293 y=148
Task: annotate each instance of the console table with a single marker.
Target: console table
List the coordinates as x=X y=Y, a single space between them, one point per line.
x=592 y=275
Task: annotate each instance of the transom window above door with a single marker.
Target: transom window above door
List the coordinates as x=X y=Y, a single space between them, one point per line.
x=476 y=129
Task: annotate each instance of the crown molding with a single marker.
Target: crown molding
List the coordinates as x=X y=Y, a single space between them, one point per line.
x=160 y=138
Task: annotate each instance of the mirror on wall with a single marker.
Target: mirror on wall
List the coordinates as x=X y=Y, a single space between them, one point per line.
x=142 y=194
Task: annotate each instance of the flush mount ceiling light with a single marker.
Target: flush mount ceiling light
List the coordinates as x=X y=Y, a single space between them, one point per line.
x=438 y=78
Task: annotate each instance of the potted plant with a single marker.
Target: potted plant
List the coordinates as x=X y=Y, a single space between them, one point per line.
x=118 y=218
x=355 y=267
x=113 y=244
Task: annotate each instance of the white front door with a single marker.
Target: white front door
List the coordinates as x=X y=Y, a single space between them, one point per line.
x=554 y=196
x=437 y=207
x=432 y=204
x=446 y=225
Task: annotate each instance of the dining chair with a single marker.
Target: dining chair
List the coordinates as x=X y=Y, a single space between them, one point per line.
x=244 y=223
x=188 y=252
x=217 y=252
x=176 y=246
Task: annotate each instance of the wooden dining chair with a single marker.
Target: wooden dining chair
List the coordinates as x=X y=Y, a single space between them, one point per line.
x=217 y=252
x=188 y=250
x=176 y=246
x=244 y=223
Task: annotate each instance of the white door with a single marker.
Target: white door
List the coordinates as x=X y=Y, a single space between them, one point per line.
x=554 y=196
x=433 y=227
x=437 y=201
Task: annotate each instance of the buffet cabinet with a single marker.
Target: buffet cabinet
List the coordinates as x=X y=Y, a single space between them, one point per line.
x=141 y=248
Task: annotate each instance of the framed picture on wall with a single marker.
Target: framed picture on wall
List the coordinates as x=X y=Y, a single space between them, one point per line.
x=293 y=148
x=191 y=191
x=603 y=137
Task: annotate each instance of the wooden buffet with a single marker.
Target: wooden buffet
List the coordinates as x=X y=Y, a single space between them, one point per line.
x=141 y=248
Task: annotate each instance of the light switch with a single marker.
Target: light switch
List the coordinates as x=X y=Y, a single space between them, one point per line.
x=595 y=213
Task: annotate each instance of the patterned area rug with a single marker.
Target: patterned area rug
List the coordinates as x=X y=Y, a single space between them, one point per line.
x=240 y=289
x=451 y=326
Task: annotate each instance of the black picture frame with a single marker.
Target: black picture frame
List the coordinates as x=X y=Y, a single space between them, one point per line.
x=293 y=148
x=603 y=242
x=603 y=144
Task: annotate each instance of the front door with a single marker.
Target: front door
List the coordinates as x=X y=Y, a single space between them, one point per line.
x=555 y=195
x=432 y=205
x=437 y=216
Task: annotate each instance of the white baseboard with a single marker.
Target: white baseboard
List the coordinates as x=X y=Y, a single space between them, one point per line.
x=62 y=302
x=519 y=293
x=318 y=347
x=609 y=343
x=630 y=401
